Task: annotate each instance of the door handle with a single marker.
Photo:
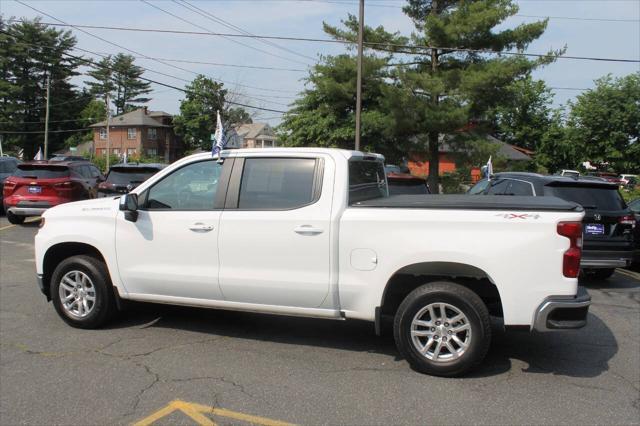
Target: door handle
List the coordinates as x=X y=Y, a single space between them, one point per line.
x=307 y=230
x=201 y=227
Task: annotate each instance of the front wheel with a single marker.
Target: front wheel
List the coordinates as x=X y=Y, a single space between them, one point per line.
x=442 y=329
x=15 y=219
x=82 y=293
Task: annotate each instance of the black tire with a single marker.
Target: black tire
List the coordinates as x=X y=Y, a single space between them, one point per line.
x=465 y=301
x=104 y=306
x=15 y=219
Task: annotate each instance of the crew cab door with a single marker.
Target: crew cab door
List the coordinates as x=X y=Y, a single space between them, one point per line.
x=172 y=248
x=275 y=231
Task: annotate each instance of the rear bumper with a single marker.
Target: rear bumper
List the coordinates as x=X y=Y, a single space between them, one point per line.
x=27 y=211
x=606 y=259
x=562 y=312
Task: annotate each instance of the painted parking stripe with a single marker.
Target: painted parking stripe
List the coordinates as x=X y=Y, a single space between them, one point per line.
x=628 y=273
x=197 y=413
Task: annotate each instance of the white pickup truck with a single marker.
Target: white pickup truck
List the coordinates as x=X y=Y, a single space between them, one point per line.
x=313 y=232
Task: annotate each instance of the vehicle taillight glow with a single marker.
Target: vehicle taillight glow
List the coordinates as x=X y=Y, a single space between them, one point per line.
x=571 y=259
x=64 y=185
x=627 y=220
x=8 y=187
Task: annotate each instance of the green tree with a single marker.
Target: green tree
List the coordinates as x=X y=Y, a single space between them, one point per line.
x=604 y=123
x=557 y=150
x=524 y=116
x=198 y=112
x=444 y=87
x=29 y=53
x=324 y=115
x=119 y=76
x=237 y=116
x=92 y=113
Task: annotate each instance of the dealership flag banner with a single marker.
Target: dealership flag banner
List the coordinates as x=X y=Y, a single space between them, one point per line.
x=218 y=137
x=489 y=168
x=39 y=155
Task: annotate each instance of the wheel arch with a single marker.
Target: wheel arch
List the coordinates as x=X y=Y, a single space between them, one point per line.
x=61 y=251
x=409 y=277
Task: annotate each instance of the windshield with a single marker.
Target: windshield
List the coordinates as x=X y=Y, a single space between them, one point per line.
x=126 y=176
x=367 y=180
x=38 y=171
x=589 y=197
x=407 y=187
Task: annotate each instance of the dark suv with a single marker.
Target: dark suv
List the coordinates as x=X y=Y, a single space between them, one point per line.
x=608 y=223
x=124 y=177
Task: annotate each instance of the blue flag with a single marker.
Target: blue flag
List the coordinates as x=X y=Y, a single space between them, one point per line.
x=218 y=137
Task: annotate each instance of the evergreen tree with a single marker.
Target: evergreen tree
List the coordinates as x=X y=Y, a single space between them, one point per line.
x=29 y=53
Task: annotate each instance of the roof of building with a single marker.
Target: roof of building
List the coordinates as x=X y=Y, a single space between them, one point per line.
x=138 y=117
x=159 y=114
x=253 y=130
x=505 y=150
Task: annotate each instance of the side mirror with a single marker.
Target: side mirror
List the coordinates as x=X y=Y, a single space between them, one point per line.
x=129 y=205
x=100 y=179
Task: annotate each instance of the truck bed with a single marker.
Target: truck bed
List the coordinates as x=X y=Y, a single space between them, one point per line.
x=471 y=202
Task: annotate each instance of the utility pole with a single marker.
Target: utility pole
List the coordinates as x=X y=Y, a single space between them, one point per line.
x=359 y=77
x=46 y=123
x=108 y=122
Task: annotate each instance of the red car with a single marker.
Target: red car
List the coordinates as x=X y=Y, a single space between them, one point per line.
x=38 y=185
x=406 y=184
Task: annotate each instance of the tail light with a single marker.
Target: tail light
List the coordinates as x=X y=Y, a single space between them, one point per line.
x=627 y=220
x=104 y=185
x=571 y=259
x=65 y=186
x=8 y=187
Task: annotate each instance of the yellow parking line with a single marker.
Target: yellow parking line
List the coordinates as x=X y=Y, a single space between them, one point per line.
x=197 y=413
x=33 y=219
x=628 y=273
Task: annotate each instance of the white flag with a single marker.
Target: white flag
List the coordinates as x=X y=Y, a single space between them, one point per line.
x=39 y=155
x=218 y=137
x=489 y=168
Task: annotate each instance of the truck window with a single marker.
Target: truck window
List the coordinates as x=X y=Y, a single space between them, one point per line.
x=367 y=180
x=192 y=187
x=518 y=187
x=277 y=183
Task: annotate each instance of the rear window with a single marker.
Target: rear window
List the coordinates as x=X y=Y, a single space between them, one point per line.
x=589 y=197
x=127 y=176
x=42 y=171
x=7 y=166
x=367 y=181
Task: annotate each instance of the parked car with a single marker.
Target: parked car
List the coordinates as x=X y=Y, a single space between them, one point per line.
x=58 y=158
x=608 y=223
x=608 y=176
x=570 y=173
x=124 y=177
x=8 y=166
x=392 y=168
x=313 y=232
x=38 y=185
x=635 y=208
x=405 y=183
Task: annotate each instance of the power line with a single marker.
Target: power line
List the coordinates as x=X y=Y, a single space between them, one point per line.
x=79 y=28
x=223 y=36
x=50 y=121
x=229 y=25
x=341 y=41
x=40 y=132
x=97 y=65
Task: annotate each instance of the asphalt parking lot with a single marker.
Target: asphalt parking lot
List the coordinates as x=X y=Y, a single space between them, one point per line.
x=165 y=365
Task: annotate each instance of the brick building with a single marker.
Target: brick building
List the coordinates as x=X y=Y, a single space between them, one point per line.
x=139 y=132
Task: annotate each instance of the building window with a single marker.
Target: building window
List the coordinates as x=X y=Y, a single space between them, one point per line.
x=131 y=151
x=103 y=133
x=131 y=133
x=152 y=133
x=101 y=151
x=115 y=151
x=152 y=152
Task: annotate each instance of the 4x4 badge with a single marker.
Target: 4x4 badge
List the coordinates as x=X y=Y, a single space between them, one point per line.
x=597 y=216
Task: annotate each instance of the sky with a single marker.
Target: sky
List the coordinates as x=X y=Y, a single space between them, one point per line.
x=615 y=33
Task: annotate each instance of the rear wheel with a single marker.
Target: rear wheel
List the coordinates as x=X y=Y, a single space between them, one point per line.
x=82 y=293
x=443 y=329
x=15 y=219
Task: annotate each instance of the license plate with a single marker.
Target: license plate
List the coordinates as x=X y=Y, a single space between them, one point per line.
x=35 y=190
x=594 y=229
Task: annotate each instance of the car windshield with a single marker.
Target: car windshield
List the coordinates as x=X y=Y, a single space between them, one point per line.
x=125 y=176
x=589 y=197
x=42 y=171
x=407 y=187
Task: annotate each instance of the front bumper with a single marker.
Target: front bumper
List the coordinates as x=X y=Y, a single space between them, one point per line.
x=563 y=312
x=594 y=259
x=44 y=291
